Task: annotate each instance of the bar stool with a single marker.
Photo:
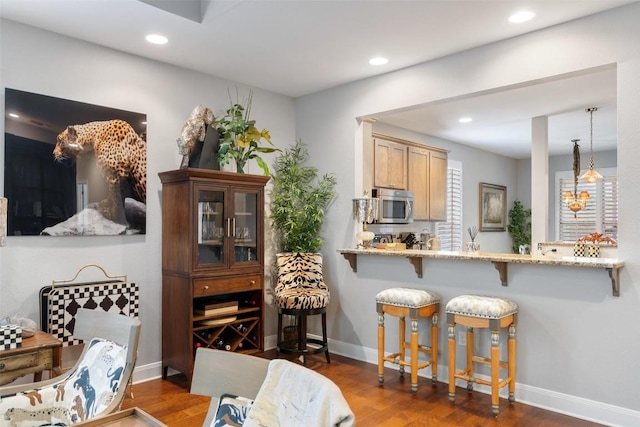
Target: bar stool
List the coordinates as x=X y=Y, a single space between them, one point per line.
x=301 y=292
x=415 y=303
x=475 y=311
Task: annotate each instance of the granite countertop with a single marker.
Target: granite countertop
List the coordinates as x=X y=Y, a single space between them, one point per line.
x=494 y=257
x=500 y=261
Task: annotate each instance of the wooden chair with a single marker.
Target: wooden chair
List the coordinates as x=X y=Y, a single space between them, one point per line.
x=94 y=387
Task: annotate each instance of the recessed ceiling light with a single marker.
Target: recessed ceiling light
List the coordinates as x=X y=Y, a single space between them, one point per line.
x=465 y=120
x=521 y=16
x=378 y=60
x=157 y=39
x=14 y=115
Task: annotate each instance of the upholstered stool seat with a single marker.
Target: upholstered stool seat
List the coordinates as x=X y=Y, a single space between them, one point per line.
x=301 y=292
x=476 y=311
x=415 y=303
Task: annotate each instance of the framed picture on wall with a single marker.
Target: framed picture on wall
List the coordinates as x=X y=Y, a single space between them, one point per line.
x=73 y=168
x=493 y=207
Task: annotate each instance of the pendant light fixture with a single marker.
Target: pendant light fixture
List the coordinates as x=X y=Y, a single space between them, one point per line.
x=591 y=175
x=576 y=202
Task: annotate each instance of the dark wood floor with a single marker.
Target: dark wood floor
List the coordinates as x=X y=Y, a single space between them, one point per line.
x=390 y=405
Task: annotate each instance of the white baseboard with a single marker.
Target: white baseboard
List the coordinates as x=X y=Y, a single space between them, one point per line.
x=566 y=404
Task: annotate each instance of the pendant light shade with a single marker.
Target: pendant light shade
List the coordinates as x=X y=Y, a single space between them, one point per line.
x=591 y=175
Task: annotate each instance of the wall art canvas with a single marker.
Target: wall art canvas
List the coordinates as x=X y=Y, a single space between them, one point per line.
x=493 y=207
x=72 y=168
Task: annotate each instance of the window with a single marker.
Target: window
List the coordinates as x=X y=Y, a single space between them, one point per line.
x=601 y=213
x=450 y=232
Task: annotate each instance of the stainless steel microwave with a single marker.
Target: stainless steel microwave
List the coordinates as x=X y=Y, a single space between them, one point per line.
x=394 y=206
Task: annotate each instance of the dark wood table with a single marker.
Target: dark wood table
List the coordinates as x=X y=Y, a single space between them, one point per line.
x=38 y=353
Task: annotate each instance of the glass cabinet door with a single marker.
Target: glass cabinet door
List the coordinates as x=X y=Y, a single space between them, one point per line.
x=211 y=227
x=245 y=225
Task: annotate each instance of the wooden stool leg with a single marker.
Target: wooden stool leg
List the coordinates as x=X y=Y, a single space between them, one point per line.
x=414 y=354
x=452 y=362
x=279 y=337
x=434 y=347
x=324 y=336
x=495 y=372
x=511 y=363
x=303 y=337
x=470 y=367
x=401 y=342
x=381 y=347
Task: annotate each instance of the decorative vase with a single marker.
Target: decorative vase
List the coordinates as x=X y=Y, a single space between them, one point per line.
x=578 y=249
x=593 y=251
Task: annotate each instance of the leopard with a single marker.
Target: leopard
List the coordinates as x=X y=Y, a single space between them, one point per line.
x=120 y=153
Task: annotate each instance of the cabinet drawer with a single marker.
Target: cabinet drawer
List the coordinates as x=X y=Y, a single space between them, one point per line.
x=203 y=287
x=19 y=361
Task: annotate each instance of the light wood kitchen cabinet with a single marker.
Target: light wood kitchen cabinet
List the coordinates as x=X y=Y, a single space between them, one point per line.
x=390 y=164
x=428 y=182
x=212 y=264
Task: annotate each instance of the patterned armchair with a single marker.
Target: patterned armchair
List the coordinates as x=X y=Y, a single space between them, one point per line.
x=94 y=387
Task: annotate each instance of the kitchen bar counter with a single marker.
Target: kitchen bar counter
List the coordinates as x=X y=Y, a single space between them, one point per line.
x=500 y=261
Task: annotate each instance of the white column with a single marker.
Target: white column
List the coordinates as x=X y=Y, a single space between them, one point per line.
x=539 y=181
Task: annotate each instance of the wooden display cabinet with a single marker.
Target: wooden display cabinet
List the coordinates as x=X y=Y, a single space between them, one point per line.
x=212 y=255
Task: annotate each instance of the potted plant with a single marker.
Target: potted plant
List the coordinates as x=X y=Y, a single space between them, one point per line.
x=299 y=201
x=240 y=138
x=519 y=226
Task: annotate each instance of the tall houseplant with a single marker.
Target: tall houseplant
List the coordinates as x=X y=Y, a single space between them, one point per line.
x=299 y=200
x=519 y=225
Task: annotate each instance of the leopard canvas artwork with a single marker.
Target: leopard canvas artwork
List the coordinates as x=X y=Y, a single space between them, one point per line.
x=121 y=157
x=73 y=168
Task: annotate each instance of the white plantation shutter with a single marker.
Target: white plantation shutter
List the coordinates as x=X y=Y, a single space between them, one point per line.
x=601 y=213
x=450 y=232
x=610 y=207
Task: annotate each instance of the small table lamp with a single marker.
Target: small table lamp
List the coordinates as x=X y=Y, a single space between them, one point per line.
x=365 y=210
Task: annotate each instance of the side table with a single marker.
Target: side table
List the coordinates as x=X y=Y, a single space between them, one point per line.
x=40 y=352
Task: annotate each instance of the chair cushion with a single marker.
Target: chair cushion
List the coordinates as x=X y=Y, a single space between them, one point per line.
x=407 y=297
x=232 y=411
x=300 y=282
x=481 y=306
x=79 y=395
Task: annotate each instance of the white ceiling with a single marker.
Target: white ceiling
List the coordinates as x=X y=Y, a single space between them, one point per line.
x=300 y=47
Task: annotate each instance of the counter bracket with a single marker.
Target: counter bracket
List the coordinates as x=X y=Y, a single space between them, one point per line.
x=614 y=274
x=353 y=261
x=502 y=269
x=416 y=261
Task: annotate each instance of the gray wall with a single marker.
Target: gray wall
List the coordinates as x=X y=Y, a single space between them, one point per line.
x=576 y=342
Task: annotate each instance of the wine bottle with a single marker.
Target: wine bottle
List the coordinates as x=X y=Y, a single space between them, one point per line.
x=221 y=345
x=242 y=328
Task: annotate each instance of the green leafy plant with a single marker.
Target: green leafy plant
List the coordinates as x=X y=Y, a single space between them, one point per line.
x=240 y=138
x=519 y=225
x=299 y=200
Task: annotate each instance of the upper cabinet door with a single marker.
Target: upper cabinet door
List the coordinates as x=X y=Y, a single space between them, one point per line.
x=428 y=182
x=390 y=164
x=212 y=227
x=245 y=227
